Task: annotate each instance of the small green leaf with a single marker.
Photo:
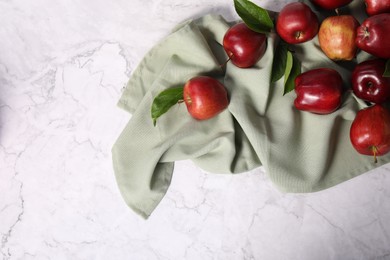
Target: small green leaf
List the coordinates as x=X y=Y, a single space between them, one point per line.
x=255 y=17
x=295 y=70
x=164 y=101
x=387 y=69
x=279 y=62
x=289 y=63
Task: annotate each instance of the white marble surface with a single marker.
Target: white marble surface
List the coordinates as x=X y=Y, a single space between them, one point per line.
x=62 y=67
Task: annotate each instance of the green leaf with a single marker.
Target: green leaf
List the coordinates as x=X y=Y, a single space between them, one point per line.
x=387 y=69
x=255 y=17
x=164 y=101
x=279 y=62
x=295 y=70
x=289 y=63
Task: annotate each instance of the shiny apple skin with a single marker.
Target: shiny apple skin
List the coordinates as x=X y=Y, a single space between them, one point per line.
x=373 y=35
x=297 y=23
x=337 y=36
x=244 y=46
x=318 y=91
x=374 y=7
x=368 y=82
x=205 y=97
x=331 y=4
x=370 y=131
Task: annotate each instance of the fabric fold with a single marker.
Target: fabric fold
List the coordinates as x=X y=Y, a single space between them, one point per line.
x=144 y=155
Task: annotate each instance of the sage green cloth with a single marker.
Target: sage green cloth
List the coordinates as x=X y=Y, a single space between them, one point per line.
x=300 y=151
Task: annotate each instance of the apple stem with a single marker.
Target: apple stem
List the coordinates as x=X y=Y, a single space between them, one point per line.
x=337 y=11
x=366 y=32
x=188 y=100
x=297 y=34
x=375 y=151
x=223 y=64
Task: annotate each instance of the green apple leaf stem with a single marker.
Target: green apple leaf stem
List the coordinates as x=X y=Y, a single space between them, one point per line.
x=164 y=101
x=387 y=69
x=255 y=17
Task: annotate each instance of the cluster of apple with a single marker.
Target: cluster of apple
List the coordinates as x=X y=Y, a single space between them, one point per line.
x=319 y=90
x=340 y=38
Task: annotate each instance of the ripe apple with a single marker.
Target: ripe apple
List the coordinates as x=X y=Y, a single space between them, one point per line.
x=373 y=35
x=244 y=46
x=318 y=91
x=330 y=4
x=297 y=23
x=374 y=7
x=204 y=97
x=368 y=82
x=370 y=131
x=337 y=36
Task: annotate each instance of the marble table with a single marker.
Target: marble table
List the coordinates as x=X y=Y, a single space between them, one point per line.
x=63 y=65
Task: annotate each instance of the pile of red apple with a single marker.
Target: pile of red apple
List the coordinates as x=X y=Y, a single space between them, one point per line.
x=341 y=37
x=319 y=90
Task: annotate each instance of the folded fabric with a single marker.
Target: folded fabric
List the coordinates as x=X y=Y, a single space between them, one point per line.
x=300 y=151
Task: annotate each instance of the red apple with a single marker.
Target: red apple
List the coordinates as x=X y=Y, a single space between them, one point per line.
x=297 y=23
x=374 y=7
x=368 y=82
x=330 y=4
x=337 y=36
x=370 y=131
x=244 y=46
x=318 y=91
x=204 y=97
x=373 y=35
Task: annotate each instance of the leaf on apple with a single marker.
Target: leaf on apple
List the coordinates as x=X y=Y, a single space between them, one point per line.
x=279 y=61
x=293 y=69
x=164 y=101
x=387 y=69
x=255 y=17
